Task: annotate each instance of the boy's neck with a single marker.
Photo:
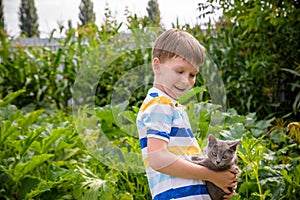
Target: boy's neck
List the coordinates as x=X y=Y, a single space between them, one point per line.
x=160 y=88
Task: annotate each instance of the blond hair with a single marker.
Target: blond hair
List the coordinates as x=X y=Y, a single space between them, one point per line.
x=178 y=43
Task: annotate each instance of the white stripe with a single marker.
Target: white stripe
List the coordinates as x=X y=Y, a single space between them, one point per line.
x=162 y=186
x=162 y=108
x=183 y=141
x=145 y=151
x=198 y=197
x=177 y=183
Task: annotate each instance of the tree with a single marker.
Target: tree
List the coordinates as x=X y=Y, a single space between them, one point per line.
x=29 y=19
x=154 y=12
x=86 y=14
x=2 y=24
x=256 y=47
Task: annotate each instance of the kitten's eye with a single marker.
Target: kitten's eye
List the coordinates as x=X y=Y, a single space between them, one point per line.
x=224 y=157
x=214 y=154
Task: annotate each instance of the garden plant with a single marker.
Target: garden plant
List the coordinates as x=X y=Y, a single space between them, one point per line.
x=67 y=116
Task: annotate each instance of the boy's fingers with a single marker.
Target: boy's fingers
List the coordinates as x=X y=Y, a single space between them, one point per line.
x=226 y=190
x=233 y=178
x=234 y=188
x=235 y=170
x=228 y=196
x=233 y=185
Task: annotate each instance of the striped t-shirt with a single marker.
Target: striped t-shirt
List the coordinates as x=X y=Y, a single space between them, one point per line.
x=161 y=117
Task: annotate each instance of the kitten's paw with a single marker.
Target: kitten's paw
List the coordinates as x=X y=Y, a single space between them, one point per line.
x=197 y=158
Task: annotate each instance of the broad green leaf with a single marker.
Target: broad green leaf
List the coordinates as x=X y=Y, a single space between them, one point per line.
x=7 y=129
x=49 y=141
x=29 y=119
x=10 y=97
x=31 y=137
x=126 y=196
x=191 y=94
x=23 y=169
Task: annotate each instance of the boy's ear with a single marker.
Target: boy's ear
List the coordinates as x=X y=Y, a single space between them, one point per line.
x=155 y=65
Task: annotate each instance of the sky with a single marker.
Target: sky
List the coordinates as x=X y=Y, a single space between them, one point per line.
x=54 y=12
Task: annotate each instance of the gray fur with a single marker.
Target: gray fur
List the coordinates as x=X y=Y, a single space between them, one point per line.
x=221 y=156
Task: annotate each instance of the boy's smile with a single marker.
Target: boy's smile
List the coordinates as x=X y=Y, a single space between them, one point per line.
x=175 y=76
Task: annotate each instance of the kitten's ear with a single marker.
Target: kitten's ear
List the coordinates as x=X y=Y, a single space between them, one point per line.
x=233 y=144
x=212 y=139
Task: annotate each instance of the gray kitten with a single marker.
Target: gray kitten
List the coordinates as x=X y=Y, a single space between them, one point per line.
x=221 y=156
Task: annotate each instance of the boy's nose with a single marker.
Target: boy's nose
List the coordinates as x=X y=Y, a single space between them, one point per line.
x=185 y=79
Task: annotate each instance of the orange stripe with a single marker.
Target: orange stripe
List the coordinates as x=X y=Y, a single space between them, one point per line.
x=146 y=162
x=185 y=150
x=157 y=100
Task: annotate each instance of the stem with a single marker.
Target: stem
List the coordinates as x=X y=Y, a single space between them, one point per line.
x=258 y=183
x=247 y=190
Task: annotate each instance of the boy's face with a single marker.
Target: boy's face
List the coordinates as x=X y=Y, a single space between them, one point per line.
x=175 y=76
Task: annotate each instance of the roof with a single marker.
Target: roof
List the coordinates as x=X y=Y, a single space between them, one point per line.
x=36 y=42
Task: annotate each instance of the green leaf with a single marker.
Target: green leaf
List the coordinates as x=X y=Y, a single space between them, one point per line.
x=32 y=136
x=92 y=184
x=126 y=196
x=50 y=140
x=191 y=94
x=23 y=169
x=28 y=184
x=291 y=71
x=247 y=187
x=29 y=119
x=7 y=130
x=10 y=97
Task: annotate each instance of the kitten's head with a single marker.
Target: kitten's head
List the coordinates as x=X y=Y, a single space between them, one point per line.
x=221 y=152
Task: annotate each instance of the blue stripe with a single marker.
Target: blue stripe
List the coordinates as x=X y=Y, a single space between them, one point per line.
x=143 y=142
x=158 y=117
x=154 y=94
x=140 y=123
x=181 y=132
x=181 y=192
x=158 y=178
x=177 y=115
x=156 y=132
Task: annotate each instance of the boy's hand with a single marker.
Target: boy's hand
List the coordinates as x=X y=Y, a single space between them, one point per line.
x=229 y=196
x=235 y=171
x=226 y=180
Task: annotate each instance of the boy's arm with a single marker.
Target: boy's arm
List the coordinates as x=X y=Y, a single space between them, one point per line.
x=162 y=160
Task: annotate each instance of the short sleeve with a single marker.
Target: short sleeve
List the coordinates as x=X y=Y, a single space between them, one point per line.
x=157 y=119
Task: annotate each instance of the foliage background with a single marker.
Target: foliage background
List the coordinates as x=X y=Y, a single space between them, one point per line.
x=43 y=157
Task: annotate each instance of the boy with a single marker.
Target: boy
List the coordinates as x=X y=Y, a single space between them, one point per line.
x=166 y=139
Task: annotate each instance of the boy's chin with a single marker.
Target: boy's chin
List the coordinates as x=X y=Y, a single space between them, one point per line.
x=178 y=94
x=175 y=95
x=171 y=92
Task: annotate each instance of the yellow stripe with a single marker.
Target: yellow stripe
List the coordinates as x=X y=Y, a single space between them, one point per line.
x=146 y=163
x=185 y=150
x=157 y=100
